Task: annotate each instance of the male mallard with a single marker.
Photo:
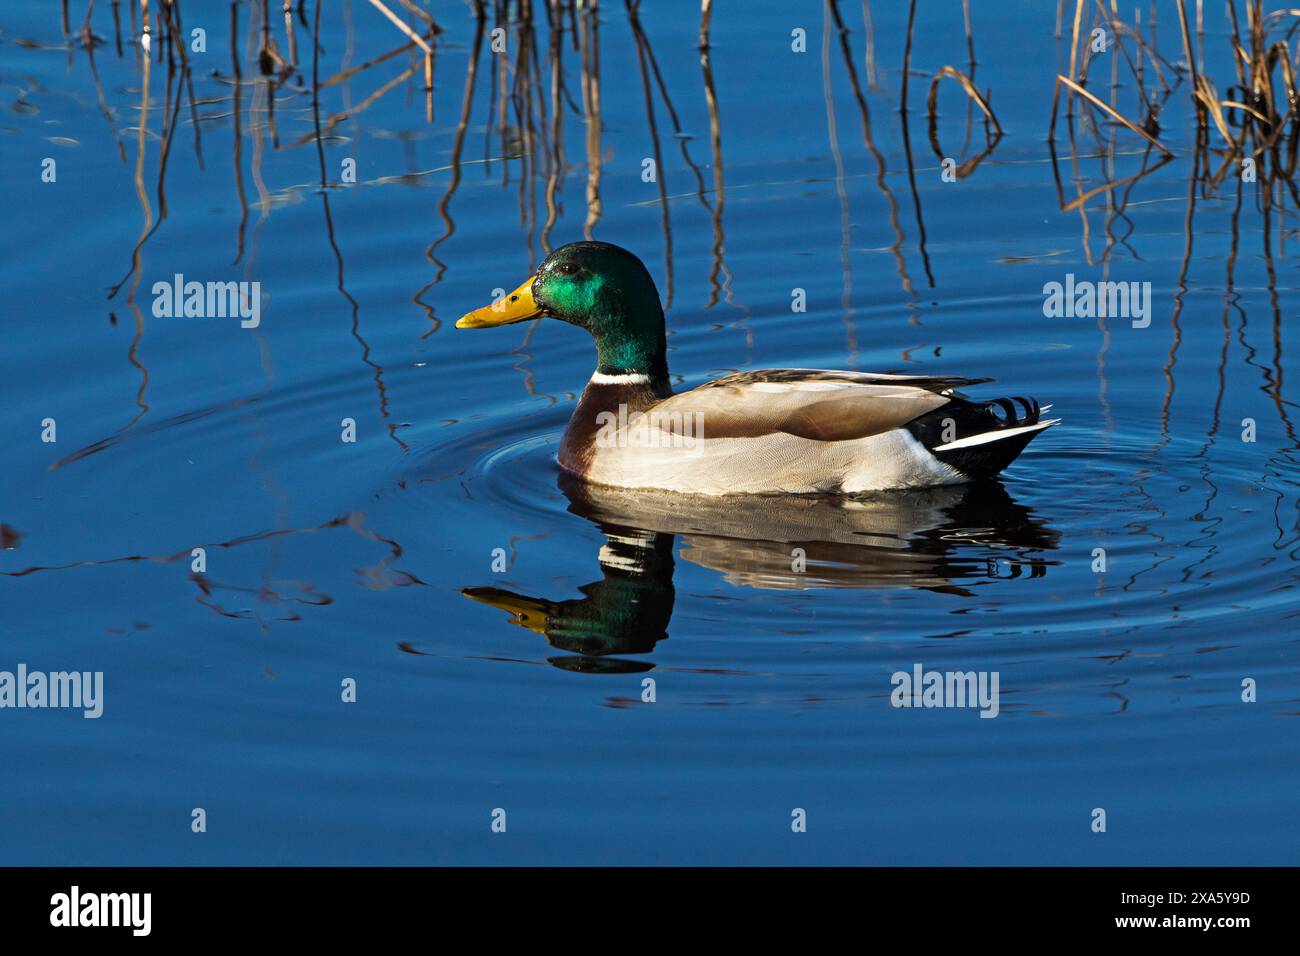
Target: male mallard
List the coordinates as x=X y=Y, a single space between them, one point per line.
x=787 y=430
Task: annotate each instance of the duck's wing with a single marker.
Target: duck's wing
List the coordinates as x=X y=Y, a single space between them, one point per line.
x=939 y=384
x=810 y=403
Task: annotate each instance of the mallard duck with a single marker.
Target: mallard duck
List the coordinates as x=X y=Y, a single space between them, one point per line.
x=771 y=431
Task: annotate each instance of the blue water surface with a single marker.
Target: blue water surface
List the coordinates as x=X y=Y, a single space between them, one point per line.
x=777 y=169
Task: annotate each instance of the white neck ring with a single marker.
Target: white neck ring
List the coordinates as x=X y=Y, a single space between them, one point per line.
x=623 y=378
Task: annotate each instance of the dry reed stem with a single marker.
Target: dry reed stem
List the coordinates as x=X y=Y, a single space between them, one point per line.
x=1191 y=60
x=966 y=85
x=401 y=25
x=1115 y=113
x=1242 y=106
x=352 y=71
x=1208 y=101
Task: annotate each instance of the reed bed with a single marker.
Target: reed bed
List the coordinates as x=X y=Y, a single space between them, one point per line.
x=1256 y=118
x=532 y=95
x=549 y=75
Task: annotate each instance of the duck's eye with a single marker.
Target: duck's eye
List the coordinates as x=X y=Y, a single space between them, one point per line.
x=568 y=268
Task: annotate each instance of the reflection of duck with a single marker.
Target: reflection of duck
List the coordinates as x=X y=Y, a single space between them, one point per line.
x=626 y=612
x=928 y=538
x=799 y=431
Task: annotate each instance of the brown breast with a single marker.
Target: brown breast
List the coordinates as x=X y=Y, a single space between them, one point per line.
x=579 y=442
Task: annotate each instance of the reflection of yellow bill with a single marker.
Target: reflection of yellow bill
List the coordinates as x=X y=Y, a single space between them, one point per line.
x=515 y=307
x=526 y=612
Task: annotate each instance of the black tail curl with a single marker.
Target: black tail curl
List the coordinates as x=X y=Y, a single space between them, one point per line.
x=1010 y=417
x=962 y=418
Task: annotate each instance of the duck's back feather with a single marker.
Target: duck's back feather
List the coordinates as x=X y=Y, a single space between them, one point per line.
x=933 y=383
x=822 y=406
x=827 y=405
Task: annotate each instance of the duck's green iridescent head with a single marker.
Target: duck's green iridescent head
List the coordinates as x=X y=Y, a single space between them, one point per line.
x=600 y=287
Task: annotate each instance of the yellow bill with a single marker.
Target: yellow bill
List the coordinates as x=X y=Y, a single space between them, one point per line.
x=515 y=307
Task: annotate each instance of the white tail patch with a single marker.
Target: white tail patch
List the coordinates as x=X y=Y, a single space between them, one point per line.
x=983 y=438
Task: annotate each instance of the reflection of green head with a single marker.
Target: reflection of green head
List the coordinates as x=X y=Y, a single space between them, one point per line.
x=607 y=291
x=626 y=612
